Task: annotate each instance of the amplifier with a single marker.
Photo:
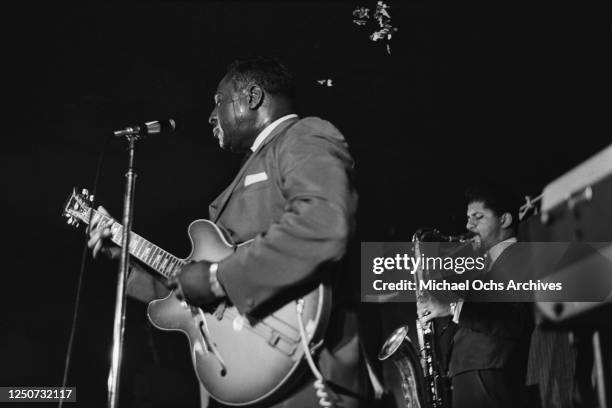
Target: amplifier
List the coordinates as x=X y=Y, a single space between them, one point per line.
x=576 y=214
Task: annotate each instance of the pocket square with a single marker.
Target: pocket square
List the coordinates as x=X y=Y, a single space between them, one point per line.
x=255 y=178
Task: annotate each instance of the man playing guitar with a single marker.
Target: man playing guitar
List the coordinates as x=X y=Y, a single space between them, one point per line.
x=293 y=201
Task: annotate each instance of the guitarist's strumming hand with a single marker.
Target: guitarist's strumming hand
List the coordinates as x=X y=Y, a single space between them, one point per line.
x=99 y=236
x=197 y=283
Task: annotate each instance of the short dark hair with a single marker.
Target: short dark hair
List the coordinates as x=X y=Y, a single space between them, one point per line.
x=266 y=72
x=497 y=197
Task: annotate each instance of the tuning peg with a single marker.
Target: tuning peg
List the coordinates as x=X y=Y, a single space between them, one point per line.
x=85 y=192
x=72 y=221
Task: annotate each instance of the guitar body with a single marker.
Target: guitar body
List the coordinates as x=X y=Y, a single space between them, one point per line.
x=240 y=362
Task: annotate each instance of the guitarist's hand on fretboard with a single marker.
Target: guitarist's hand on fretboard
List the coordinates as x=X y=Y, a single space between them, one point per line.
x=100 y=233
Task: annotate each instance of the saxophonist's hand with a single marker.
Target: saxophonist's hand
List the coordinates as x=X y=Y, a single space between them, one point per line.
x=431 y=308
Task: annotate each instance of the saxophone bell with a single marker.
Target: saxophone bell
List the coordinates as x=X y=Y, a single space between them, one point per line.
x=404 y=354
x=394 y=341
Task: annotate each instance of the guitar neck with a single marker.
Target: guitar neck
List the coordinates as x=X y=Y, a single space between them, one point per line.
x=159 y=260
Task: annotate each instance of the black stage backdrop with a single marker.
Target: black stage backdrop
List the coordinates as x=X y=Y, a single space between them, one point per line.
x=519 y=92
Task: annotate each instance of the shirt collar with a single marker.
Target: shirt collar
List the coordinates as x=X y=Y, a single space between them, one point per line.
x=497 y=249
x=268 y=129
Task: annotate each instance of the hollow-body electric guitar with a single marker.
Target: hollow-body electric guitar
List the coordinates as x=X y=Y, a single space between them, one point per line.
x=239 y=361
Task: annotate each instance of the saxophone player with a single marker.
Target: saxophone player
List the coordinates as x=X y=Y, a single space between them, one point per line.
x=490 y=345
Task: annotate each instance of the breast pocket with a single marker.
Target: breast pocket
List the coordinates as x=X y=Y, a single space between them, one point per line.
x=256 y=186
x=255 y=181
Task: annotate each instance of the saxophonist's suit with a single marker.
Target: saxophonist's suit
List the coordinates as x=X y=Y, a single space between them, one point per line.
x=490 y=346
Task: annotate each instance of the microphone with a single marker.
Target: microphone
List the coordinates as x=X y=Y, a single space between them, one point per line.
x=148 y=128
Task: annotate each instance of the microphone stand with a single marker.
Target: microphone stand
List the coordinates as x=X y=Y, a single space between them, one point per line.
x=119 y=320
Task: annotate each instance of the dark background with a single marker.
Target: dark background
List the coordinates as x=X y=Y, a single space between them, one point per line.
x=517 y=92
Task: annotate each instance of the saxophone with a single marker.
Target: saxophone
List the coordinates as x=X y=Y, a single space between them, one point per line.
x=422 y=382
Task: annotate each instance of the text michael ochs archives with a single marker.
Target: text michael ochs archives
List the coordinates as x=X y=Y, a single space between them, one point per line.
x=475 y=284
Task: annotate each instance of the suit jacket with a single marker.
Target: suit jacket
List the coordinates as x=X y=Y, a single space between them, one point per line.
x=295 y=198
x=495 y=335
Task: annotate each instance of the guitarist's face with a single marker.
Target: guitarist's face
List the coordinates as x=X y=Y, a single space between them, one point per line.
x=232 y=118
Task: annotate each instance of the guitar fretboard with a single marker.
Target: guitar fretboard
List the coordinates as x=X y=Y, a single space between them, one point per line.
x=145 y=251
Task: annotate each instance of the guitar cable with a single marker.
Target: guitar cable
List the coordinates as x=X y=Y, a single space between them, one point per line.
x=77 y=299
x=322 y=390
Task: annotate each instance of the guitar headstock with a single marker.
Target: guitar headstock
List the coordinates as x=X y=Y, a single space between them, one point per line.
x=78 y=207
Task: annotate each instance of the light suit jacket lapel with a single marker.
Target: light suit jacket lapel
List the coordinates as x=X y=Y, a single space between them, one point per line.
x=216 y=207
